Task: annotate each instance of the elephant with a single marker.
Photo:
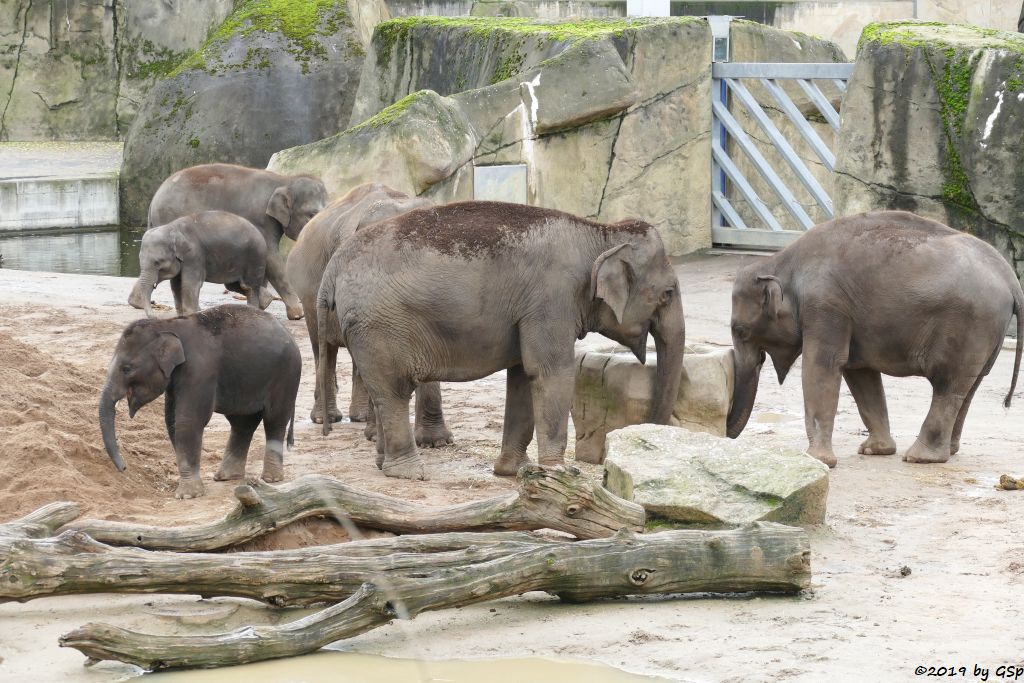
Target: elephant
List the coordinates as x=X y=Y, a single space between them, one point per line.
x=885 y=292
x=276 y=204
x=209 y=246
x=234 y=360
x=320 y=239
x=457 y=292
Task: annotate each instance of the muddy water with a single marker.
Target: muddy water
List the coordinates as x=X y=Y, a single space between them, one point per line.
x=109 y=251
x=342 y=667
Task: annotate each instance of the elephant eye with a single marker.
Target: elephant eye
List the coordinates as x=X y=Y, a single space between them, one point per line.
x=126 y=368
x=741 y=331
x=667 y=295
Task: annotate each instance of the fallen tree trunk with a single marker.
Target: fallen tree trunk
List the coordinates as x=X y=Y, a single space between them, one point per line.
x=560 y=499
x=758 y=557
x=75 y=564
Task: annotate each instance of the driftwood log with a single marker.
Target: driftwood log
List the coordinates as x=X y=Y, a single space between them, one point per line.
x=560 y=499
x=759 y=557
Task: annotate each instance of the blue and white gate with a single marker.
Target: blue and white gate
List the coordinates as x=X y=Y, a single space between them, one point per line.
x=727 y=179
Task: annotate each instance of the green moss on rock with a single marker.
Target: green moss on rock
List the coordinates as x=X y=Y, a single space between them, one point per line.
x=300 y=22
x=388 y=114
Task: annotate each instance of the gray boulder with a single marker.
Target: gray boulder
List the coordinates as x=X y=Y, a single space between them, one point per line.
x=270 y=77
x=932 y=123
x=698 y=479
x=613 y=391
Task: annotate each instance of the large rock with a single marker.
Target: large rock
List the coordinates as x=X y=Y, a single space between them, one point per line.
x=273 y=75
x=932 y=123
x=613 y=391
x=699 y=479
x=76 y=70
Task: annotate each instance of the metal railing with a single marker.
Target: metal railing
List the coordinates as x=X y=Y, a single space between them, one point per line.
x=727 y=179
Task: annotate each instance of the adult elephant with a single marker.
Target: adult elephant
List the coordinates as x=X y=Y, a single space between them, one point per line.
x=321 y=238
x=276 y=204
x=457 y=292
x=883 y=292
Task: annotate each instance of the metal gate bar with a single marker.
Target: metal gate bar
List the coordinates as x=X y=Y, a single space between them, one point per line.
x=728 y=227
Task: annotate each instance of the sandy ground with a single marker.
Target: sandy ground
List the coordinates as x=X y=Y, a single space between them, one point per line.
x=863 y=619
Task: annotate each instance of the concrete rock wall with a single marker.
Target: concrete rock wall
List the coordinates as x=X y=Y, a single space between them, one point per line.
x=271 y=76
x=77 y=69
x=932 y=124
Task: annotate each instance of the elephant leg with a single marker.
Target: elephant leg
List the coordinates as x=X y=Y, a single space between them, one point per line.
x=191 y=278
x=358 y=407
x=518 y=428
x=232 y=466
x=176 y=292
x=824 y=354
x=275 y=427
x=431 y=431
x=869 y=394
x=958 y=426
x=252 y=295
x=188 y=447
x=276 y=276
x=401 y=458
x=933 y=443
x=333 y=414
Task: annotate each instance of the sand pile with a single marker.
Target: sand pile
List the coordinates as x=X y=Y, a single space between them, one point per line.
x=50 y=443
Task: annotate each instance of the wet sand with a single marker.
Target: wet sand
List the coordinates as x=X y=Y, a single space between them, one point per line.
x=863 y=619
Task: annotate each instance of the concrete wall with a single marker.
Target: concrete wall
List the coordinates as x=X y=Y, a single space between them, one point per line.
x=27 y=204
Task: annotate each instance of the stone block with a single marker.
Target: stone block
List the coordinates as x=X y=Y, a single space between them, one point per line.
x=613 y=390
x=699 y=479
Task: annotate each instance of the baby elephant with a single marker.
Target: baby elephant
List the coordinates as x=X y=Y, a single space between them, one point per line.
x=208 y=246
x=234 y=360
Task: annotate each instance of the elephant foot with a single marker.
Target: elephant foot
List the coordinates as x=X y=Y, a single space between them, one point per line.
x=189 y=487
x=358 y=411
x=437 y=436
x=555 y=461
x=370 y=430
x=272 y=473
x=333 y=414
x=825 y=455
x=922 y=453
x=508 y=464
x=294 y=312
x=409 y=467
x=230 y=469
x=954 y=447
x=883 y=445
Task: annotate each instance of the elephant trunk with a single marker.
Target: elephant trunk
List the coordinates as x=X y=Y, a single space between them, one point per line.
x=142 y=293
x=748 y=373
x=669 y=332
x=108 y=399
x=322 y=379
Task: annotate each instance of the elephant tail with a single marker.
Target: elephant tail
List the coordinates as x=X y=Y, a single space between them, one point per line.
x=1018 y=310
x=291 y=429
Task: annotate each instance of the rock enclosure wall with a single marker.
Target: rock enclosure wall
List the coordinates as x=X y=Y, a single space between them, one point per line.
x=273 y=75
x=77 y=69
x=932 y=124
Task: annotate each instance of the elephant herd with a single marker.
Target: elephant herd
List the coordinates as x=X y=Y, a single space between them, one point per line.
x=419 y=294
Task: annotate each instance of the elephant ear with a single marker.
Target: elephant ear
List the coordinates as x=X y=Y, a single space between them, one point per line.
x=168 y=352
x=772 y=295
x=181 y=247
x=610 y=279
x=280 y=206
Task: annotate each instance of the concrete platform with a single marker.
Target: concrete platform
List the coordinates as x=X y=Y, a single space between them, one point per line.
x=58 y=185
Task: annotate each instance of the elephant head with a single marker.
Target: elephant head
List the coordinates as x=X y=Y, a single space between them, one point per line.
x=163 y=251
x=143 y=362
x=764 y=321
x=639 y=293
x=297 y=201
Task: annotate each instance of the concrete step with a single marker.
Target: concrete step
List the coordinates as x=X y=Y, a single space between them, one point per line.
x=32 y=204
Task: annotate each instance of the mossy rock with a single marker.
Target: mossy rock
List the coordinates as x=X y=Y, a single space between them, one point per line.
x=275 y=74
x=931 y=124
x=696 y=479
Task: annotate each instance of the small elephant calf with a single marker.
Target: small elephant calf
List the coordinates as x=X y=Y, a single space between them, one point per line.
x=208 y=246
x=234 y=360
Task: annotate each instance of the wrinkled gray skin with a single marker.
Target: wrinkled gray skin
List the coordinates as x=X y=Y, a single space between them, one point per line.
x=878 y=293
x=209 y=246
x=320 y=239
x=276 y=204
x=234 y=360
x=458 y=292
